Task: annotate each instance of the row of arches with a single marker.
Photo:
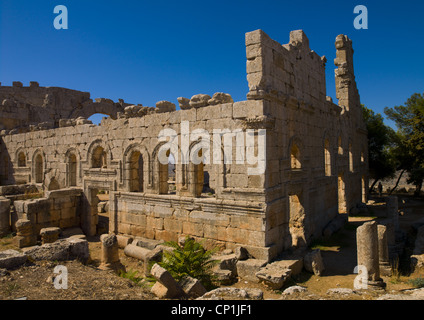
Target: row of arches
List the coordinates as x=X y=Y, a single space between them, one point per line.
x=296 y=157
x=138 y=170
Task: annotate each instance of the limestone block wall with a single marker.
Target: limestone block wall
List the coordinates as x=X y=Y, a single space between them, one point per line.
x=225 y=224
x=33 y=107
x=315 y=154
x=60 y=208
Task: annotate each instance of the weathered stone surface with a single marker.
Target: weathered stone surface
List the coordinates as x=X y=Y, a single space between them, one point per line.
x=123 y=241
x=110 y=252
x=147 y=243
x=367 y=252
x=241 y=253
x=219 y=98
x=313 y=262
x=192 y=287
x=10 y=259
x=184 y=103
x=49 y=235
x=233 y=294
x=227 y=262
x=166 y=280
x=61 y=250
x=247 y=269
x=223 y=277
x=165 y=106
x=294 y=290
x=4 y=217
x=199 y=100
x=294 y=264
x=273 y=276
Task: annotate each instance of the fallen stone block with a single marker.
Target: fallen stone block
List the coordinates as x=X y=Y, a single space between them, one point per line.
x=219 y=98
x=147 y=243
x=199 y=100
x=227 y=262
x=11 y=259
x=61 y=250
x=273 y=276
x=233 y=294
x=241 y=253
x=165 y=278
x=247 y=269
x=294 y=290
x=223 y=277
x=123 y=241
x=137 y=252
x=192 y=287
x=313 y=262
x=294 y=264
x=49 y=235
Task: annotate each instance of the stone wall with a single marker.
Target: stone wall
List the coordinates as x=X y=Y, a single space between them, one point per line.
x=60 y=208
x=314 y=157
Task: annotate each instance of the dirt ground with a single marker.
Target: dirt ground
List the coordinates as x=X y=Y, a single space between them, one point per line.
x=34 y=281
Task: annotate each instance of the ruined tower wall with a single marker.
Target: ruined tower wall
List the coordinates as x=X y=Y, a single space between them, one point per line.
x=22 y=107
x=331 y=140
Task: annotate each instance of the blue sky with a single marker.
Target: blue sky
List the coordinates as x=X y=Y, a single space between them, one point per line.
x=147 y=51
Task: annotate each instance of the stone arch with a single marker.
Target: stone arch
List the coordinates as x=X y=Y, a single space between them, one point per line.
x=136 y=168
x=21 y=158
x=195 y=169
x=38 y=166
x=159 y=171
x=98 y=154
x=107 y=108
x=327 y=150
x=296 y=153
x=72 y=160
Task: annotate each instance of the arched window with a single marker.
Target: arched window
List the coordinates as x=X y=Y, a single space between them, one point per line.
x=72 y=163
x=21 y=159
x=198 y=175
x=136 y=172
x=98 y=159
x=39 y=168
x=327 y=157
x=295 y=157
x=166 y=171
x=340 y=147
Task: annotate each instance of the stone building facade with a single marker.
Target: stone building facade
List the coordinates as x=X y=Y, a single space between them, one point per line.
x=309 y=154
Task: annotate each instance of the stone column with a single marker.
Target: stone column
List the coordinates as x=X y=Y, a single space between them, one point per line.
x=110 y=253
x=368 y=256
x=24 y=234
x=4 y=217
x=383 y=251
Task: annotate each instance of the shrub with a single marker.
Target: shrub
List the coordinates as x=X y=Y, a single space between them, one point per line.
x=190 y=259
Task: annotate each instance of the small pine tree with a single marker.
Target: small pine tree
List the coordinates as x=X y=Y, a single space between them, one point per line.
x=190 y=259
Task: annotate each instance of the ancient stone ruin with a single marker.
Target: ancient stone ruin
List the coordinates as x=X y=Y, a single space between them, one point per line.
x=309 y=157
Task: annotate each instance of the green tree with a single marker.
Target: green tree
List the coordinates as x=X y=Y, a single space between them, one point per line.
x=409 y=119
x=380 y=141
x=189 y=259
